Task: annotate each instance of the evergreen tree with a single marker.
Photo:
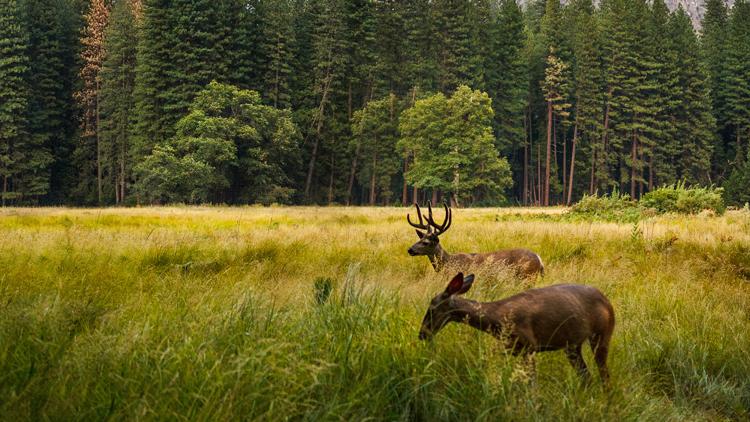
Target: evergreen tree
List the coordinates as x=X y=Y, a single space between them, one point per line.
x=374 y=134
x=53 y=27
x=738 y=69
x=88 y=150
x=116 y=98
x=14 y=137
x=153 y=123
x=714 y=47
x=275 y=51
x=695 y=125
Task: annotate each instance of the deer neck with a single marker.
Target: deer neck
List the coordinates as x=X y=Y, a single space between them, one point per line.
x=474 y=314
x=439 y=258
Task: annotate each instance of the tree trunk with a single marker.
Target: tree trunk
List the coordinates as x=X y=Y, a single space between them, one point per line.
x=525 y=193
x=319 y=127
x=351 y=174
x=572 y=165
x=373 y=199
x=738 y=155
x=5 y=188
x=565 y=164
x=650 y=173
x=632 y=166
x=434 y=196
x=604 y=136
x=330 y=184
x=549 y=152
x=98 y=150
x=405 y=190
x=539 y=180
x=415 y=195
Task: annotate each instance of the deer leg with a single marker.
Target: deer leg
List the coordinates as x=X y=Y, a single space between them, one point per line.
x=575 y=357
x=600 y=347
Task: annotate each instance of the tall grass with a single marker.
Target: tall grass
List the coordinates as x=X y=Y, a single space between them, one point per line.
x=313 y=313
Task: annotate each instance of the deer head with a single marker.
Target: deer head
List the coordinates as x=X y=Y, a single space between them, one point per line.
x=428 y=236
x=441 y=307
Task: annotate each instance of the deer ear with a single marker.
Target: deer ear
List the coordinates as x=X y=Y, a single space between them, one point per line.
x=455 y=285
x=419 y=233
x=468 y=281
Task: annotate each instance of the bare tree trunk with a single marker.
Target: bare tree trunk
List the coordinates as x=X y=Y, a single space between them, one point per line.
x=565 y=165
x=604 y=135
x=525 y=194
x=373 y=192
x=330 y=184
x=98 y=150
x=415 y=195
x=352 y=173
x=650 y=173
x=539 y=180
x=593 y=170
x=549 y=153
x=5 y=188
x=434 y=196
x=572 y=165
x=319 y=127
x=738 y=154
x=632 y=166
x=405 y=190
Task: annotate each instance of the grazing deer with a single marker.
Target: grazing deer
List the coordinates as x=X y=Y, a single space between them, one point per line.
x=562 y=316
x=525 y=262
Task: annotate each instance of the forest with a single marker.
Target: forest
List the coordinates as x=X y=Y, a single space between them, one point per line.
x=483 y=102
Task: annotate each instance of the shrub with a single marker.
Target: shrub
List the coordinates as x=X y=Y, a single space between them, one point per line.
x=614 y=207
x=680 y=199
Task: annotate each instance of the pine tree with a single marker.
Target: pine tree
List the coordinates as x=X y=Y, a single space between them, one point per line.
x=14 y=64
x=117 y=102
x=153 y=123
x=714 y=47
x=88 y=151
x=738 y=78
x=275 y=51
x=52 y=26
x=555 y=88
x=694 y=122
x=588 y=88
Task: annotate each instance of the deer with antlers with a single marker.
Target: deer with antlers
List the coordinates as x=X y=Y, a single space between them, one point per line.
x=525 y=262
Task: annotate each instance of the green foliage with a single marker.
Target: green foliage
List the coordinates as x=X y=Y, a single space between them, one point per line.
x=681 y=199
x=453 y=147
x=677 y=198
x=374 y=137
x=612 y=207
x=737 y=185
x=229 y=147
x=14 y=136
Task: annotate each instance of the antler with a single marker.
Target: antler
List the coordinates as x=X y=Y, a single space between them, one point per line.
x=421 y=225
x=439 y=229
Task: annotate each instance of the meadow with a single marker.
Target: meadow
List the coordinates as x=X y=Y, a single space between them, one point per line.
x=193 y=313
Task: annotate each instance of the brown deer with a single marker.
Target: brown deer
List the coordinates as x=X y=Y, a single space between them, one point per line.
x=525 y=262
x=562 y=316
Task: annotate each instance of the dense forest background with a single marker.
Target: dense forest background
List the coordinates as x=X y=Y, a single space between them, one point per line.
x=368 y=102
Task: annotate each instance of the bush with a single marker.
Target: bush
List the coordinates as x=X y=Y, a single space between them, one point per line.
x=614 y=207
x=680 y=199
x=675 y=198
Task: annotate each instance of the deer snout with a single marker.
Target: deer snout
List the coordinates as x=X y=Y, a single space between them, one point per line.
x=412 y=252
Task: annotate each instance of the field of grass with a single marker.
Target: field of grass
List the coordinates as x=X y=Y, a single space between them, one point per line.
x=210 y=314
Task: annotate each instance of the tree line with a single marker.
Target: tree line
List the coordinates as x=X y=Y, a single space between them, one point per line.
x=368 y=102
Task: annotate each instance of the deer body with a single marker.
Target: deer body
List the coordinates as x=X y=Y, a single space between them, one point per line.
x=525 y=262
x=558 y=317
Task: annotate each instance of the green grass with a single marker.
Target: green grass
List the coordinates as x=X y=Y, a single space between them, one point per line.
x=217 y=314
